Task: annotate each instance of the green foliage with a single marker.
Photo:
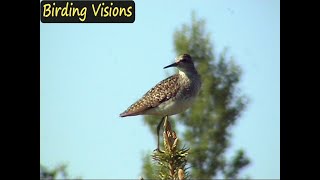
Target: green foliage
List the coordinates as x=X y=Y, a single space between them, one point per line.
x=239 y=161
x=207 y=125
x=58 y=172
x=150 y=169
x=172 y=161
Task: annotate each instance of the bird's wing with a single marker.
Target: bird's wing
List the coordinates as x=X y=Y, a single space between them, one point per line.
x=163 y=91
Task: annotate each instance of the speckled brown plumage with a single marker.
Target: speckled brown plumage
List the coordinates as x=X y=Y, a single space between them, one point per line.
x=163 y=91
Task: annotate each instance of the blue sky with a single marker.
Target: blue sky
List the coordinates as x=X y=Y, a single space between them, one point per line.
x=91 y=72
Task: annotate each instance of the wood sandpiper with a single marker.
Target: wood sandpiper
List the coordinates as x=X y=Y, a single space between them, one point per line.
x=172 y=95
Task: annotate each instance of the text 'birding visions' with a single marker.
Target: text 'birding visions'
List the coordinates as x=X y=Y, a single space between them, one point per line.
x=87 y=11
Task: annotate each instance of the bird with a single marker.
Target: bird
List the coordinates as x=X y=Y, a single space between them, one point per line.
x=170 y=96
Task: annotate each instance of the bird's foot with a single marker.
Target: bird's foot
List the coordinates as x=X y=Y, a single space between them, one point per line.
x=159 y=150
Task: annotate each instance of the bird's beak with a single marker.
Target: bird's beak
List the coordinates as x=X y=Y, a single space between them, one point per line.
x=171 y=65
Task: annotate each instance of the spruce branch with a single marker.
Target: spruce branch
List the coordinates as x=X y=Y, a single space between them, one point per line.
x=172 y=162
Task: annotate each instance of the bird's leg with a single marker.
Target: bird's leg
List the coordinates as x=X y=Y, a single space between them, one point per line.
x=158 y=131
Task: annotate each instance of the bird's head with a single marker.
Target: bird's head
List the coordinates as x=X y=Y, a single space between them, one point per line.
x=183 y=63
